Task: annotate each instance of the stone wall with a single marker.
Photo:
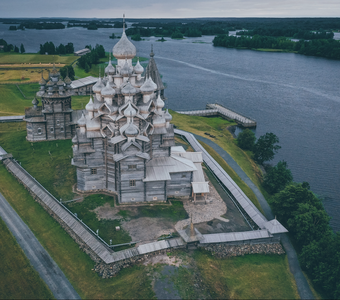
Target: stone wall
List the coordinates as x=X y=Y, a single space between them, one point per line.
x=225 y=250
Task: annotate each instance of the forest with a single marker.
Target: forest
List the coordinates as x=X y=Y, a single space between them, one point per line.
x=327 y=48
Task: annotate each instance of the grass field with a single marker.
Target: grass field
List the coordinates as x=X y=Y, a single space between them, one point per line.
x=18 y=279
x=248 y=277
x=12 y=102
x=223 y=138
x=35 y=158
x=130 y=283
x=20 y=75
x=32 y=58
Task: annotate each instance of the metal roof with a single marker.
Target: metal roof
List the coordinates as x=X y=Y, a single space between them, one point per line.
x=83 y=82
x=235 y=236
x=200 y=187
x=274 y=226
x=195 y=157
x=176 y=149
x=159 y=168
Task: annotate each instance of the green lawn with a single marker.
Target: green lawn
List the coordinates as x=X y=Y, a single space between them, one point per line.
x=12 y=102
x=130 y=283
x=32 y=58
x=18 y=279
x=40 y=158
x=253 y=276
x=106 y=228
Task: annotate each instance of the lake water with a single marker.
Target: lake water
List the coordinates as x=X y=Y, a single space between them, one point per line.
x=294 y=96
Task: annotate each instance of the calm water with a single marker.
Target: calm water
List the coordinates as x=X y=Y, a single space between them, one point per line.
x=294 y=96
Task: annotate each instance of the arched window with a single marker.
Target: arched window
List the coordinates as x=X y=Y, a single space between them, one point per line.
x=52 y=129
x=39 y=131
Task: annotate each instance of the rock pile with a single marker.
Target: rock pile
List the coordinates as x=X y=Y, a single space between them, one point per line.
x=224 y=250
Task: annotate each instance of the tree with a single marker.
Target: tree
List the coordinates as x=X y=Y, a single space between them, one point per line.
x=277 y=178
x=286 y=202
x=69 y=48
x=265 y=148
x=22 y=48
x=308 y=224
x=67 y=69
x=61 y=49
x=246 y=139
x=16 y=49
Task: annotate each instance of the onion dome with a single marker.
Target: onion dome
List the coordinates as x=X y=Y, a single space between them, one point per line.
x=67 y=80
x=148 y=86
x=131 y=130
x=158 y=121
x=138 y=68
x=82 y=121
x=125 y=71
x=110 y=69
x=124 y=48
x=167 y=116
x=90 y=106
x=54 y=71
x=35 y=102
x=60 y=82
x=97 y=88
x=128 y=89
x=108 y=90
x=42 y=80
x=130 y=111
x=159 y=102
x=50 y=83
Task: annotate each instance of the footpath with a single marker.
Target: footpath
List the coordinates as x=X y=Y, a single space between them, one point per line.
x=294 y=266
x=37 y=255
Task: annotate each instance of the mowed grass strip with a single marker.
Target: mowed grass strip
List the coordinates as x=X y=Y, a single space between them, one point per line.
x=244 y=187
x=254 y=276
x=130 y=283
x=18 y=279
x=35 y=58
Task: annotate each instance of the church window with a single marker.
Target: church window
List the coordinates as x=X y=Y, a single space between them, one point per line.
x=52 y=129
x=132 y=167
x=39 y=131
x=93 y=171
x=154 y=198
x=61 y=129
x=58 y=122
x=184 y=175
x=133 y=182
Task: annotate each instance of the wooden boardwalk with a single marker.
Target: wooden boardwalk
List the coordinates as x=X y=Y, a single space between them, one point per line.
x=6 y=119
x=219 y=110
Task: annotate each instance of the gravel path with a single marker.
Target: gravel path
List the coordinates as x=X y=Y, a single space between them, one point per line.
x=37 y=255
x=294 y=266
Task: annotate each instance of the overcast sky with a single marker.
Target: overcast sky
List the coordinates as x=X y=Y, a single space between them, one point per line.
x=169 y=9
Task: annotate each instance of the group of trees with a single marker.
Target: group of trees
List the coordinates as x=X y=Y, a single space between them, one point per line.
x=9 y=47
x=67 y=70
x=37 y=25
x=295 y=33
x=94 y=25
x=302 y=213
x=85 y=62
x=328 y=48
x=177 y=30
x=50 y=48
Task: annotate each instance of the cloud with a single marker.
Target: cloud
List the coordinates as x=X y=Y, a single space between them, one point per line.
x=169 y=9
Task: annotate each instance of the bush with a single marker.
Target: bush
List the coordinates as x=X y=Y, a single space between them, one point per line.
x=246 y=139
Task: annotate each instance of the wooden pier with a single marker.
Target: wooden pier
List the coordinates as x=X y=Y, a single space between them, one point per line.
x=220 y=110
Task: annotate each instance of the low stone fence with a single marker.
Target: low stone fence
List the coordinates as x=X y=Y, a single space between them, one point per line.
x=227 y=250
